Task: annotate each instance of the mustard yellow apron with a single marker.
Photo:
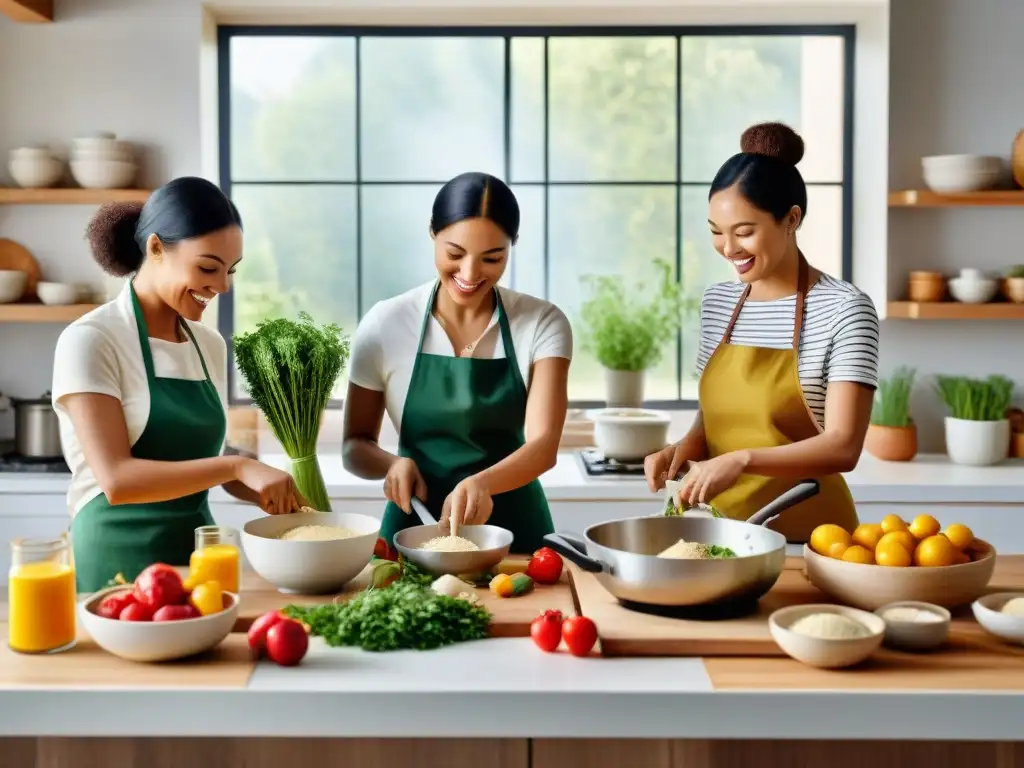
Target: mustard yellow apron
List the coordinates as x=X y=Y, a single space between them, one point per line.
x=751 y=397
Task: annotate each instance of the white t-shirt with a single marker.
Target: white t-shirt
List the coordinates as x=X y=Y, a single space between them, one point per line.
x=101 y=352
x=839 y=341
x=385 y=343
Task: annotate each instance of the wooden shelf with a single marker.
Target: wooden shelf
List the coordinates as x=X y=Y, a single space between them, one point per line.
x=954 y=310
x=28 y=11
x=922 y=198
x=69 y=196
x=43 y=313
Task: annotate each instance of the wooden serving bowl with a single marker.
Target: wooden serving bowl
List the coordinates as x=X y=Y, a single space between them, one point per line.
x=869 y=587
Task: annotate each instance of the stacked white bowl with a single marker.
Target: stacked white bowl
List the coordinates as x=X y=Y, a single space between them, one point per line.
x=34 y=167
x=102 y=161
x=951 y=174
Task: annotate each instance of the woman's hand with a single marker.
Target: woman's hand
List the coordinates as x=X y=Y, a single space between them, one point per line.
x=275 y=488
x=469 y=503
x=402 y=482
x=665 y=465
x=707 y=479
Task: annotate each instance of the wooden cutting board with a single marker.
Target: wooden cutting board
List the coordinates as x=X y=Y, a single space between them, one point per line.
x=625 y=632
x=15 y=256
x=511 y=615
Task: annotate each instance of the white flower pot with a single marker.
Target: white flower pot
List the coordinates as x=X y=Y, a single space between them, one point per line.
x=624 y=389
x=977 y=443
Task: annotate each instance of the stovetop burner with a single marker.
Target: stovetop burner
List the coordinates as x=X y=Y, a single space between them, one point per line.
x=15 y=462
x=596 y=465
x=733 y=609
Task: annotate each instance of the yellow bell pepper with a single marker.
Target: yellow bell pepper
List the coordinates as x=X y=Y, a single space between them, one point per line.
x=506 y=585
x=207 y=598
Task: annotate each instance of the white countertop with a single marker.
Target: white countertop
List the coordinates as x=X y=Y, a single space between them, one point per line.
x=931 y=478
x=503 y=688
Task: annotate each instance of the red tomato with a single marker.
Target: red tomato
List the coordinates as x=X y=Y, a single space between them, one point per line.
x=545 y=567
x=579 y=634
x=136 y=612
x=546 y=630
x=112 y=605
x=258 y=631
x=287 y=642
x=175 y=613
x=160 y=585
x=382 y=550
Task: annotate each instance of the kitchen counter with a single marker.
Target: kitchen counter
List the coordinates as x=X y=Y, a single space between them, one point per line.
x=931 y=478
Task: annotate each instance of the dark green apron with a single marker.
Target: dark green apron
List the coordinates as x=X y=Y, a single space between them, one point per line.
x=461 y=416
x=186 y=421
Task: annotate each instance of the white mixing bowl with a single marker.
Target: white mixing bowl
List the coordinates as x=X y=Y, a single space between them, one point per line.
x=309 y=567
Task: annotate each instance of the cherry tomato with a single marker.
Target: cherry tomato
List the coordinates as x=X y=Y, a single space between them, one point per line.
x=546 y=630
x=287 y=642
x=112 y=605
x=580 y=634
x=545 y=567
x=136 y=612
x=175 y=613
x=258 y=631
x=160 y=585
x=383 y=551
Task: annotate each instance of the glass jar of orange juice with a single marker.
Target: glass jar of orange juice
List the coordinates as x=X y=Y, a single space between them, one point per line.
x=217 y=557
x=41 y=596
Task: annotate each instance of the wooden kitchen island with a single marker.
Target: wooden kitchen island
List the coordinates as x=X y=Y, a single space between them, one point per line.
x=501 y=703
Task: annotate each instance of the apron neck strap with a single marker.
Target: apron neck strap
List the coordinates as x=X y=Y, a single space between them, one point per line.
x=506 y=332
x=147 y=350
x=803 y=276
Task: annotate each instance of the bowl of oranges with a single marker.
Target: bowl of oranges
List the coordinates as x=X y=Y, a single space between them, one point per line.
x=881 y=563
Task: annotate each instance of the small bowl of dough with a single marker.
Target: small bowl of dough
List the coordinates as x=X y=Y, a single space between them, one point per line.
x=1002 y=614
x=310 y=553
x=914 y=626
x=826 y=636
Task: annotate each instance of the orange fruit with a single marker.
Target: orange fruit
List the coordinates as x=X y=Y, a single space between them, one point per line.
x=960 y=558
x=892 y=523
x=836 y=549
x=858 y=554
x=892 y=553
x=960 y=536
x=935 y=551
x=824 y=536
x=868 y=535
x=924 y=526
x=903 y=538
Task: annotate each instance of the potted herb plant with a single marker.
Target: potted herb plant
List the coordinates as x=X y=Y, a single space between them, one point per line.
x=892 y=434
x=977 y=430
x=626 y=330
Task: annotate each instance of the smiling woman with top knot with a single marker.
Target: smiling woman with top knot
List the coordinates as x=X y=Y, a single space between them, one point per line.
x=788 y=357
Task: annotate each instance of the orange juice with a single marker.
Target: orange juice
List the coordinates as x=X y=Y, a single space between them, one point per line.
x=216 y=562
x=41 y=613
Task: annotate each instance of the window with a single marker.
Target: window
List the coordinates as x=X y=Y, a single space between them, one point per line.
x=335 y=141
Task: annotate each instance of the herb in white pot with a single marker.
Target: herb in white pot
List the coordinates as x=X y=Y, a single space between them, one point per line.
x=977 y=430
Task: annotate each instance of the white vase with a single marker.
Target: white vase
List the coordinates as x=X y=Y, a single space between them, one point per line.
x=977 y=443
x=624 y=389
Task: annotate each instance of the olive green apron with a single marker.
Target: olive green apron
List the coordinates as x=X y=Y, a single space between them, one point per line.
x=186 y=421
x=461 y=416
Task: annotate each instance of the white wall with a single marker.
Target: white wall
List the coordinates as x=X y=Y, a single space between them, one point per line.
x=133 y=66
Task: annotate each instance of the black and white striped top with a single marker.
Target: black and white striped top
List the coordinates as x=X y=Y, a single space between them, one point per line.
x=839 y=340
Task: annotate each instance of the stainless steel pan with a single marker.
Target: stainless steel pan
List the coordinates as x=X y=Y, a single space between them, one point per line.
x=623 y=555
x=494 y=543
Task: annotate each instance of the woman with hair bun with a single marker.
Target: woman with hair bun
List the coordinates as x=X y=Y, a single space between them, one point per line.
x=462 y=367
x=788 y=356
x=139 y=386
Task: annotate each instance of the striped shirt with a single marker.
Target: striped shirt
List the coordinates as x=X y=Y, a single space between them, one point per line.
x=839 y=341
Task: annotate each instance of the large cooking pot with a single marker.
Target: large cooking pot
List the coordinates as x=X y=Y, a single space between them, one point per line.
x=36 y=430
x=623 y=555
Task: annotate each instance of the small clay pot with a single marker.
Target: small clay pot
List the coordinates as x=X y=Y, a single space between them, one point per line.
x=1017 y=445
x=926 y=286
x=1013 y=289
x=891 y=443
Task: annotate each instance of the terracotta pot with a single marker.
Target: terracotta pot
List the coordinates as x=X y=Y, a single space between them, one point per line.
x=1013 y=289
x=1017 y=158
x=1017 y=445
x=891 y=443
x=926 y=286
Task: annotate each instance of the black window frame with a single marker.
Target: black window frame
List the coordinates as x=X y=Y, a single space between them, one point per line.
x=225 y=34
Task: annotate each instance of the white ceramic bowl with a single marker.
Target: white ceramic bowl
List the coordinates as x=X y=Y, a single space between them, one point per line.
x=988 y=611
x=156 y=640
x=914 y=635
x=950 y=174
x=871 y=586
x=973 y=291
x=36 y=170
x=309 y=567
x=57 y=293
x=103 y=174
x=12 y=285
x=825 y=653
x=629 y=433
